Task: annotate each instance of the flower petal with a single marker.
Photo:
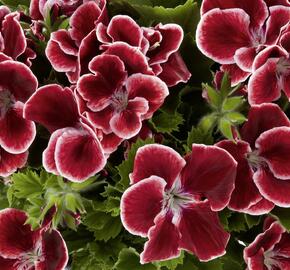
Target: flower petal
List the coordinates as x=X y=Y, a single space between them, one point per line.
x=16 y=133
x=221 y=32
x=123 y=28
x=256 y=9
x=274 y=147
x=163 y=243
x=262 y=207
x=54 y=251
x=127 y=123
x=273 y=189
x=262 y=118
x=174 y=70
x=102 y=119
x=263 y=85
x=15 y=238
x=244 y=58
x=159 y=160
x=78 y=147
x=149 y=87
x=210 y=171
x=141 y=203
x=53 y=107
x=245 y=193
x=14 y=38
x=236 y=74
x=110 y=143
x=202 y=232
x=9 y=163
x=8 y=264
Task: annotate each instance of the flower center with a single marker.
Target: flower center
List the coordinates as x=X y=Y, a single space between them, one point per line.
x=255 y=160
x=6 y=101
x=119 y=100
x=27 y=261
x=283 y=66
x=258 y=37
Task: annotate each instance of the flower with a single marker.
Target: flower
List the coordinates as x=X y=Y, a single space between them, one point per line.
x=73 y=140
x=22 y=248
x=233 y=32
x=270 y=249
x=262 y=174
x=173 y=201
x=119 y=103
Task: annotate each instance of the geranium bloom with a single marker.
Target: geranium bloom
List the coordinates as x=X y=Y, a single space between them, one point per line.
x=73 y=141
x=270 y=249
x=63 y=48
x=173 y=201
x=263 y=157
x=119 y=104
x=22 y=248
x=233 y=32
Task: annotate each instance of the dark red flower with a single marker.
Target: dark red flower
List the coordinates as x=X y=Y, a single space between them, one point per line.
x=73 y=140
x=119 y=103
x=22 y=248
x=173 y=201
x=270 y=249
x=263 y=160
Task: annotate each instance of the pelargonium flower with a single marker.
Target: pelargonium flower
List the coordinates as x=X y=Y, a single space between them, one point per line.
x=262 y=156
x=64 y=45
x=270 y=249
x=22 y=248
x=233 y=32
x=17 y=84
x=271 y=75
x=73 y=140
x=118 y=104
x=174 y=201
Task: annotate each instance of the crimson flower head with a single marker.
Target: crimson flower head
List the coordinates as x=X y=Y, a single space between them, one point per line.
x=270 y=249
x=22 y=248
x=263 y=161
x=174 y=201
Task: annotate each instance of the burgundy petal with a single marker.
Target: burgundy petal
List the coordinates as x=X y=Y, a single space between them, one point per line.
x=48 y=155
x=210 y=171
x=78 y=147
x=256 y=9
x=244 y=58
x=172 y=36
x=14 y=38
x=18 y=79
x=102 y=119
x=9 y=163
x=34 y=11
x=141 y=203
x=134 y=60
x=16 y=133
x=260 y=208
x=163 y=243
x=236 y=74
x=110 y=143
x=174 y=70
x=123 y=28
x=8 y=264
x=15 y=238
x=273 y=189
x=202 y=232
x=277 y=2
x=83 y=20
x=285 y=41
x=279 y=16
x=149 y=87
x=53 y=107
x=263 y=85
x=245 y=193
x=54 y=251
x=221 y=32
x=262 y=118
x=286 y=85
x=102 y=34
x=127 y=123
x=274 y=147
x=159 y=160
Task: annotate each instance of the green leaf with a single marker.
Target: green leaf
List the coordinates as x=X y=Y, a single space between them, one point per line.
x=235 y=117
x=225 y=85
x=214 y=96
x=197 y=135
x=173 y=263
x=129 y=259
x=252 y=220
x=126 y=167
x=15 y=3
x=225 y=127
x=166 y=123
x=232 y=103
x=283 y=214
x=208 y=122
